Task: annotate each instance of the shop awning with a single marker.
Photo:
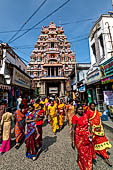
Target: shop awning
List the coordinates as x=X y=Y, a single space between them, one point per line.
x=5 y=87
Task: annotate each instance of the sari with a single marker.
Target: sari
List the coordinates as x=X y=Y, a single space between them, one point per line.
x=44 y=106
x=33 y=144
x=100 y=141
x=20 y=126
x=70 y=114
x=85 y=108
x=61 y=114
x=53 y=118
x=84 y=146
x=6 y=123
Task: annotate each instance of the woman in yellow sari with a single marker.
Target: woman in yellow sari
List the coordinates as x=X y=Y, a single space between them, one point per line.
x=44 y=105
x=61 y=113
x=36 y=104
x=53 y=117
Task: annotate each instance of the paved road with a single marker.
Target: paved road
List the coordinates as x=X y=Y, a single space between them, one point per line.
x=57 y=154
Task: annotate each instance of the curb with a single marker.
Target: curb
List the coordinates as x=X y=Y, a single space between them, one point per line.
x=108 y=127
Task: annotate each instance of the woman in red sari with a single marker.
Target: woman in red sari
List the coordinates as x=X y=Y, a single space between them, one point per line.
x=100 y=141
x=82 y=139
x=33 y=137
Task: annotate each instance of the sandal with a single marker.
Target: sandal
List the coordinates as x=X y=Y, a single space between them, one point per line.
x=108 y=162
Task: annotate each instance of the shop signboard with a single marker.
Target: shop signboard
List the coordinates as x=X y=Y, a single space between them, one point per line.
x=53 y=90
x=108 y=97
x=82 y=89
x=107 y=80
x=20 y=79
x=93 y=76
x=106 y=68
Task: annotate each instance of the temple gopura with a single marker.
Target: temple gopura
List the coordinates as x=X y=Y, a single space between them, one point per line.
x=51 y=61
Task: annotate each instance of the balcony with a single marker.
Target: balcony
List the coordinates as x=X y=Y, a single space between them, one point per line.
x=53 y=65
x=53 y=50
x=53 y=78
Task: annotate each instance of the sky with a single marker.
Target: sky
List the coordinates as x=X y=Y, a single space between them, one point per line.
x=80 y=15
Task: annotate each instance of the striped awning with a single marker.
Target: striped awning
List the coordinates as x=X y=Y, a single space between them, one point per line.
x=5 y=87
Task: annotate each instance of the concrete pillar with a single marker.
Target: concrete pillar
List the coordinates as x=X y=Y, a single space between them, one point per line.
x=54 y=71
x=50 y=71
x=62 y=89
x=42 y=92
x=44 y=88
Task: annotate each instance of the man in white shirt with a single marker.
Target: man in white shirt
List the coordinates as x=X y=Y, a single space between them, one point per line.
x=19 y=101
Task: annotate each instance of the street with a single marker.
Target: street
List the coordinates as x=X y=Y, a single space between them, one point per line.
x=56 y=154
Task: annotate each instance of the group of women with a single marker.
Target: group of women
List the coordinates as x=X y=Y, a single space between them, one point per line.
x=85 y=124
x=55 y=114
x=88 y=136
x=28 y=129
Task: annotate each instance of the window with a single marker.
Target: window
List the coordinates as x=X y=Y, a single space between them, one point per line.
x=94 y=51
x=31 y=73
x=40 y=58
x=38 y=73
x=52 y=44
x=102 y=52
x=39 y=66
x=1 y=62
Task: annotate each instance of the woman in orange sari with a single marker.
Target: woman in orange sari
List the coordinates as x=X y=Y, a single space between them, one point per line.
x=20 y=125
x=61 y=113
x=100 y=141
x=70 y=112
x=82 y=139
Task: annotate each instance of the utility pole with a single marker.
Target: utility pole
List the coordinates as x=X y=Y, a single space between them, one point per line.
x=76 y=73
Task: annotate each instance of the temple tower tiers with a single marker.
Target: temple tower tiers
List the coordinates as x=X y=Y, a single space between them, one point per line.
x=51 y=61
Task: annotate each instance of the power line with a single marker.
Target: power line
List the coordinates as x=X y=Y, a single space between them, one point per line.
x=27 y=20
x=80 y=40
x=71 y=41
x=3 y=32
x=53 y=12
x=73 y=22
x=79 y=36
x=90 y=19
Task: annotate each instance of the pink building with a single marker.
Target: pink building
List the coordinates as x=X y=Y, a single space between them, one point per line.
x=51 y=61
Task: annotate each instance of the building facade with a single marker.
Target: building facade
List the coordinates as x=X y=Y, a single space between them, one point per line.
x=14 y=80
x=51 y=61
x=78 y=81
x=101 y=54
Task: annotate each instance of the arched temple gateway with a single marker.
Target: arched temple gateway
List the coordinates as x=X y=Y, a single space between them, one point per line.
x=51 y=61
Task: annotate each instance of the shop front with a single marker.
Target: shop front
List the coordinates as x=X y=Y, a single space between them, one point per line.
x=4 y=92
x=20 y=85
x=106 y=70
x=94 y=88
x=83 y=93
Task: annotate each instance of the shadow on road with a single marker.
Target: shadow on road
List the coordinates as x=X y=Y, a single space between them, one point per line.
x=13 y=143
x=45 y=123
x=48 y=141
